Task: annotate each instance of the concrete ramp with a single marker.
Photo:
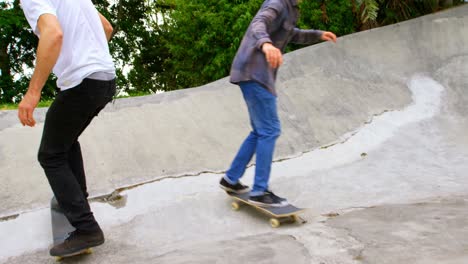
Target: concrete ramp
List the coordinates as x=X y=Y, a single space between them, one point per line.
x=374 y=127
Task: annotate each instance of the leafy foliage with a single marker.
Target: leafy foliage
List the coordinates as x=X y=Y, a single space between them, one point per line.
x=384 y=12
x=368 y=9
x=174 y=44
x=204 y=36
x=17 y=47
x=331 y=15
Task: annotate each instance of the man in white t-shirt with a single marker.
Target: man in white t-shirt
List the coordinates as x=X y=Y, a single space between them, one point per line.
x=73 y=38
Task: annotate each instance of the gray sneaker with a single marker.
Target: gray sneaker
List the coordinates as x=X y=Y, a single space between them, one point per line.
x=77 y=242
x=234 y=188
x=268 y=199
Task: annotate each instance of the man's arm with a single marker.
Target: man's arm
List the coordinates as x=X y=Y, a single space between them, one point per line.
x=311 y=36
x=260 y=24
x=108 y=29
x=262 y=21
x=48 y=51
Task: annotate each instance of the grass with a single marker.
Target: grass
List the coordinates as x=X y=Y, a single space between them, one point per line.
x=8 y=106
x=47 y=103
x=11 y=106
x=134 y=94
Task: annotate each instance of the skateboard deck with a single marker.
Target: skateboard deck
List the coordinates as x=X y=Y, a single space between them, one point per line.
x=61 y=228
x=279 y=215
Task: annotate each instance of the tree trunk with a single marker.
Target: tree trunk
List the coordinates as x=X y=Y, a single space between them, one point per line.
x=446 y=3
x=6 y=80
x=323 y=7
x=4 y=60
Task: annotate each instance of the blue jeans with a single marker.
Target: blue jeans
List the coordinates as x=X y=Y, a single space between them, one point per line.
x=266 y=129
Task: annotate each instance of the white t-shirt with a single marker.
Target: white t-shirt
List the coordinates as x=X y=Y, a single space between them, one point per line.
x=84 y=49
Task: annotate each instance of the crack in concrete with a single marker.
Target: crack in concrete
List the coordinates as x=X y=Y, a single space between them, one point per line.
x=107 y=197
x=352 y=208
x=9 y=217
x=115 y=196
x=356 y=254
x=344 y=139
x=306 y=250
x=350 y=135
x=360 y=252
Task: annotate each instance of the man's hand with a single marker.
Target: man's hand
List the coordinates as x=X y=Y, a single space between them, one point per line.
x=273 y=55
x=328 y=36
x=26 y=108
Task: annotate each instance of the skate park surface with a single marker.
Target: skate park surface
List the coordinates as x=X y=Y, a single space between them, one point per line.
x=373 y=142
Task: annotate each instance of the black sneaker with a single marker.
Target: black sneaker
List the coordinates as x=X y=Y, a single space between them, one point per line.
x=77 y=242
x=268 y=199
x=235 y=188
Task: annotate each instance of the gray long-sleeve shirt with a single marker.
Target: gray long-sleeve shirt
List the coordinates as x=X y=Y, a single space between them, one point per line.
x=275 y=23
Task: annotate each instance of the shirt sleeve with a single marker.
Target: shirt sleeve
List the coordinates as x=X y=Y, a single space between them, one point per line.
x=308 y=36
x=263 y=21
x=34 y=9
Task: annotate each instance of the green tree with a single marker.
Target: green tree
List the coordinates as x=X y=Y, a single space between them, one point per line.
x=204 y=37
x=207 y=33
x=17 y=48
x=139 y=45
x=331 y=15
x=373 y=13
x=174 y=44
x=148 y=73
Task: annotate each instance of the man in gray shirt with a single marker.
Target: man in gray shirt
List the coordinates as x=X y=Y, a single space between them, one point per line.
x=254 y=69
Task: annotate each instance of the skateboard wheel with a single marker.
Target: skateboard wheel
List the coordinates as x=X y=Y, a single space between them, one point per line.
x=275 y=223
x=294 y=218
x=235 y=206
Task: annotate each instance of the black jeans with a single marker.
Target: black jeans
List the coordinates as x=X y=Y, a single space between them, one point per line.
x=60 y=152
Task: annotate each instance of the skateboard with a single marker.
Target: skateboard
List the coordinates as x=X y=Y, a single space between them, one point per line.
x=61 y=228
x=278 y=215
